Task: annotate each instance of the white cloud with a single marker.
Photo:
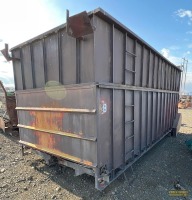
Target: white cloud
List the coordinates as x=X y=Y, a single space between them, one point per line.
x=22 y=20
x=6 y=72
x=166 y=53
x=189 y=32
x=189 y=46
x=185 y=13
x=178 y=61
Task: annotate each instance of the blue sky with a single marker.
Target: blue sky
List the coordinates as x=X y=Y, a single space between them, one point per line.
x=165 y=25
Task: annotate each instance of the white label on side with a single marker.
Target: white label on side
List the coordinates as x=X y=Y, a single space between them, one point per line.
x=104 y=108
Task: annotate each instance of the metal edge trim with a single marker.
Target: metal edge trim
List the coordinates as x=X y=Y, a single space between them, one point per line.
x=105 y=14
x=72 y=135
x=75 y=110
x=129 y=87
x=58 y=153
x=137 y=158
x=89 y=85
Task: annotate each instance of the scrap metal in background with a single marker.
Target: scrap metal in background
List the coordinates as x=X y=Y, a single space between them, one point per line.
x=97 y=101
x=8 y=114
x=185 y=101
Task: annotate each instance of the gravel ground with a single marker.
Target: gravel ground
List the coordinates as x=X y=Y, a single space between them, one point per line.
x=150 y=178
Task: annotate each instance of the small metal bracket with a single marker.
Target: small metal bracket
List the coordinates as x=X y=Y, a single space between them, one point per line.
x=5 y=53
x=22 y=150
x=78 y=25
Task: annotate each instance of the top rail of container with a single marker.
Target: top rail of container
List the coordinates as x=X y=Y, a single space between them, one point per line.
x=105 y=16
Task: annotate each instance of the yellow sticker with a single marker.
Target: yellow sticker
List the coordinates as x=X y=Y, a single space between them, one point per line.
x=178 y=193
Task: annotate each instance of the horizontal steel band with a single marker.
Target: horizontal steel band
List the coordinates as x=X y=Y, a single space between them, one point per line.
x=76 y=110
x=72 y=135
x=58 y=153
x=135 y=88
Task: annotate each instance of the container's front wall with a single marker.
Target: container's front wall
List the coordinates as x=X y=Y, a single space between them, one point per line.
x=132 y=123
x=60 y=121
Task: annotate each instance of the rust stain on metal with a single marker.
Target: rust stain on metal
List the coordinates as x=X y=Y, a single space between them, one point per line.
x=79 y=25
x=47 y=149
x=47 y=141
x=68 y=134
x=47 y=120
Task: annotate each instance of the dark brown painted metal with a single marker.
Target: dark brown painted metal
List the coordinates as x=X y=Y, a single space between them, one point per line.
x=5 y=52
x=79 y=25
x=100 y=101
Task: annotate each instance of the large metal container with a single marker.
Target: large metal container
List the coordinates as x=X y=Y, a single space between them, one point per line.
x=96 y=102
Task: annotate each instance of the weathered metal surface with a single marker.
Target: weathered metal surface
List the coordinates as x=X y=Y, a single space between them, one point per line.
x=5 y=53
x=79 y=25
x=51 y=127
x=123 y=99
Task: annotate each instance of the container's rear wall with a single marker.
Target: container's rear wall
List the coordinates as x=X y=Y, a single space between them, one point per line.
x=69 y=134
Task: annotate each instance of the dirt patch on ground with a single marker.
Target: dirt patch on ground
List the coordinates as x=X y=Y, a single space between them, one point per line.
x=150 y=178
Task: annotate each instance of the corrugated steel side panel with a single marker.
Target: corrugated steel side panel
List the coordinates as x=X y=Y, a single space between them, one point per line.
x=133 y=122
x=38 y=64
